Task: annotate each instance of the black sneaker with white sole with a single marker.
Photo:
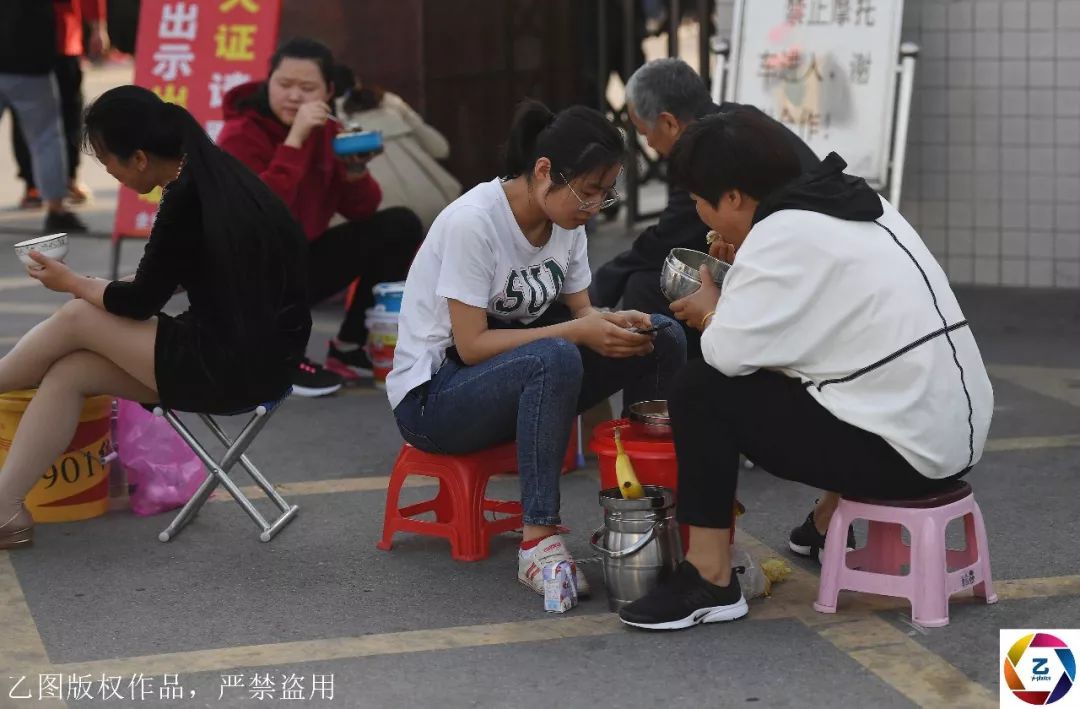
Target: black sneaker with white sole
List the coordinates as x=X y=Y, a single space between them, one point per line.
x=312 y=380
x=685 y=599
x=805 y=540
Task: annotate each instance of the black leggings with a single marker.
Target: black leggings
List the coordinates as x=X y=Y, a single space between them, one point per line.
x=773 y=421
x=375 y=250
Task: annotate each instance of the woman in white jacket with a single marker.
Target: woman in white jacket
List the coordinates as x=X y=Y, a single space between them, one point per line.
x=836 y=356
x=408 y=170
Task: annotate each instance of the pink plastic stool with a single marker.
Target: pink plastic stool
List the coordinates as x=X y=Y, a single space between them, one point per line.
x=876 y=568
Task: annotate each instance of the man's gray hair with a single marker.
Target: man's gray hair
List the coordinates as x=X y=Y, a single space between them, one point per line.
x=667 y=85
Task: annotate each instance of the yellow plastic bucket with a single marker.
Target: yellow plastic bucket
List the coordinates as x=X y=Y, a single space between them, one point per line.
x=76 y=486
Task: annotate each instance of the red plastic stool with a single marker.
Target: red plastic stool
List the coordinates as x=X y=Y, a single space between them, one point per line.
x=461 y=505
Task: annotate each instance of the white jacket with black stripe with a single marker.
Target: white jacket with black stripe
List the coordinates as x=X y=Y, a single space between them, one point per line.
x=862 y=313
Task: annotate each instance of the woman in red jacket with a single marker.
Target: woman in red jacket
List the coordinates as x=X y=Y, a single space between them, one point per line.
x=281 y=129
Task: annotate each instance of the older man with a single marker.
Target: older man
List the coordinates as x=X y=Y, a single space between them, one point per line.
x=664 y=97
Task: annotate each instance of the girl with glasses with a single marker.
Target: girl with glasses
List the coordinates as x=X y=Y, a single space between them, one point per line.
x=497 y=339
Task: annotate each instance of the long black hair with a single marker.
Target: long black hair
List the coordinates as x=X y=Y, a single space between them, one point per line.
x=577 y=141
x=248 y=230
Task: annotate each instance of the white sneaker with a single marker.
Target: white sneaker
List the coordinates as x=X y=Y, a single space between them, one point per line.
x=550 y=551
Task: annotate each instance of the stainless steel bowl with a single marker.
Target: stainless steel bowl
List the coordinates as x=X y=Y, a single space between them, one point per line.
x=651 y=418
x=680 y=275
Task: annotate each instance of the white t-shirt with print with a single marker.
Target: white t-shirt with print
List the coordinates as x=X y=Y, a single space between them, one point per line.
x=477 y=254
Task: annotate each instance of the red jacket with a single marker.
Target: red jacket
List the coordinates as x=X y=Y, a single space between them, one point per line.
x=69 y=23
x=310 y=179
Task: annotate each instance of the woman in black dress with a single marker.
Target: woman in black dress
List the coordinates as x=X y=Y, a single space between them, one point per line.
x=222 y=236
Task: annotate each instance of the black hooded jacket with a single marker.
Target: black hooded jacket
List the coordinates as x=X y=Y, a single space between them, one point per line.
x=826 y=190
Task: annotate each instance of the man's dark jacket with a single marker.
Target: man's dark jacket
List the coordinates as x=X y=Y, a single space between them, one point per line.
x=679 y=227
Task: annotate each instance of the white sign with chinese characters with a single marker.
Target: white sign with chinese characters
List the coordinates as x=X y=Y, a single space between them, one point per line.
x=825 y=68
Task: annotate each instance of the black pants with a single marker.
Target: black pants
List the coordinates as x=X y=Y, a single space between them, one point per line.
x=775 y=422
x=375 y=250
x=69 y=77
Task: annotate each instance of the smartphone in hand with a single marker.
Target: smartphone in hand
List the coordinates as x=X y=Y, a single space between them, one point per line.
x=650 y=330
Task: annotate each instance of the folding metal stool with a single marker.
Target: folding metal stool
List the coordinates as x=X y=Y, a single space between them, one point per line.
x=219 y=469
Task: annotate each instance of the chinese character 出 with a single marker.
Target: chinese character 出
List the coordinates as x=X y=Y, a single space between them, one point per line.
x=324 y=685
x=171 y=688
x=261 y=687
x=292 y=687
x=220 y=84
x=230 y=682
x=144 y=685
x=20 y=680
x=860 y=68
x=249 y=5
x=49 y=687
x=178 y=21
x=79 y=687
x=842 y=12
x=234 y=42
x=173 y=59
x=109 y=687
x=864 y=12
x=796 y=11
x=172 y=94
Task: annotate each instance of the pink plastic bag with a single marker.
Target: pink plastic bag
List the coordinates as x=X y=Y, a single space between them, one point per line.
x=163 y=472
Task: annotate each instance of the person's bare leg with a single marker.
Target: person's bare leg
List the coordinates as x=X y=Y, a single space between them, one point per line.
x=823 y=512
x=78 y=325
x=710 y=553
x=50 y=420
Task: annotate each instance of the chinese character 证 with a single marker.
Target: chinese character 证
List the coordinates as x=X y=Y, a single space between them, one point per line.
x=234 y=42
x=178 y=21
x=172 y=60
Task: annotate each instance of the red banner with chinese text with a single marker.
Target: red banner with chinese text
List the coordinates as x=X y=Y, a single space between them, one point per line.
x=191 y=52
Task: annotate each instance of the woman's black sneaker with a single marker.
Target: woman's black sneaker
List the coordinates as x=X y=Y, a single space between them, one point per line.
x=684 y=599
x=805 y=540
x=312 y=379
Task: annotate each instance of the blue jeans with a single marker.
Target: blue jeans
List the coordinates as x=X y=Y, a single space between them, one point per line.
x=36 y=101
x=532 y=394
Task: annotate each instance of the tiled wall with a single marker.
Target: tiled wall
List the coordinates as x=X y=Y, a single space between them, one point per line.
x=992 y=180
